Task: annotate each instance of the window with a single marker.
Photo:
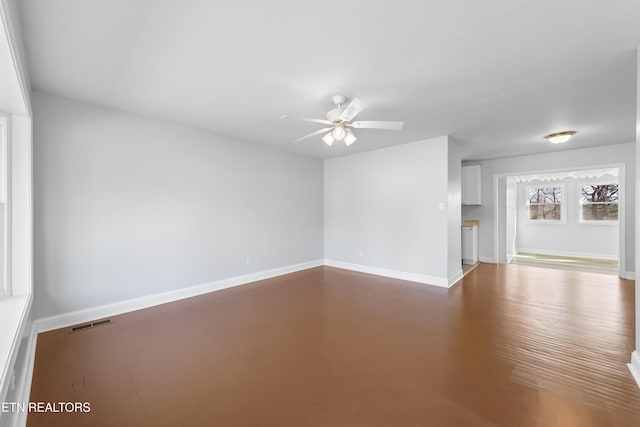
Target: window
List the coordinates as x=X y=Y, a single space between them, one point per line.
x=545 y=204
x=599 y=203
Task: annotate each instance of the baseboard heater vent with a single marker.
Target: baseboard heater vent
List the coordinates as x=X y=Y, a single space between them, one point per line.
x=84 y=326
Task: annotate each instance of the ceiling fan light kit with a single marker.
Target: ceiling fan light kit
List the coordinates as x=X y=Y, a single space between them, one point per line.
x=340 y=121
x=339 y=132
x=349 y=138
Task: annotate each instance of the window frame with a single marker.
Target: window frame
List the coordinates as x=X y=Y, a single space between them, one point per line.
x=563 y=204
x=5 y=285
x=589 y=222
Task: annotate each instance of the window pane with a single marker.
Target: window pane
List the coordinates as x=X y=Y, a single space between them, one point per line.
x=604 y=193
x=545 y=194
x=545 y=212
x=600 y=212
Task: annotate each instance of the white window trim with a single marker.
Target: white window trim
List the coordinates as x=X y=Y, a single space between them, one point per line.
x=5 y=286
x=563 y=204
x=15 y=310
x=581 y=221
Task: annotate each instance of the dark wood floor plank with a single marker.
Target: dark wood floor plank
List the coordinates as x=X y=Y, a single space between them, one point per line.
x=507 y=346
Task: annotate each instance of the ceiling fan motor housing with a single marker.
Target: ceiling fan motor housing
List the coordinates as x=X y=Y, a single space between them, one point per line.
x=339 y=100
x=334 y=115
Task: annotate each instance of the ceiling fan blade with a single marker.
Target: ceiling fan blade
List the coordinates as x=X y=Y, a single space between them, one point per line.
x=352 y=110
x=307 y=119
x=312 y=134
x=377 y=124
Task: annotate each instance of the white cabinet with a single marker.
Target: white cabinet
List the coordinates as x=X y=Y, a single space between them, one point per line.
x=470 y=245
x=471 y=185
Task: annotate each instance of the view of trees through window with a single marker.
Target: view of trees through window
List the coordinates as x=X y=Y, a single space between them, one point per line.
x=599 y=202
x=545 y=203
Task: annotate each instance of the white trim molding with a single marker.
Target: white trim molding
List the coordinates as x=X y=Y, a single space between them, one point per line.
x=14 y=312
x=26 y=377
x=486 y=259
x=94 y=313
x=456 y=278
x=634 y=366
x=102 y=311
x=611 y=257
x=442 y=282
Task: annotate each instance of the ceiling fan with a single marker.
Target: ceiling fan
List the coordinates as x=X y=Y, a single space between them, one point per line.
x=340 y=122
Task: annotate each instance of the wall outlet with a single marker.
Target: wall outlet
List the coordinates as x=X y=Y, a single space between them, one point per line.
x=440 y=206
x=247 y=261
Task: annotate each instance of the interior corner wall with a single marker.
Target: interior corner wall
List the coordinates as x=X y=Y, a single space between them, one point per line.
x=454 y=214
x=127 y=206
x=636 y=180
x=582 y=158
x=511 y=232
x=386 y=208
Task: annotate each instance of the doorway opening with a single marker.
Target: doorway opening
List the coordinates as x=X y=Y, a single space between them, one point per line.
x=563 y=219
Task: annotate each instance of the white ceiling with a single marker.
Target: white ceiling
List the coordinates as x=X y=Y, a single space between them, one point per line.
x=497 y=75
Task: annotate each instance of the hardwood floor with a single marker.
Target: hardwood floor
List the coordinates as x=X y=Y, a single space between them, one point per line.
x=508 y=345
x=466 y=269
x=589 y=265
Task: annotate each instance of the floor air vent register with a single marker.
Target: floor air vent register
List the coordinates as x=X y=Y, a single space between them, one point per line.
x=90 y=325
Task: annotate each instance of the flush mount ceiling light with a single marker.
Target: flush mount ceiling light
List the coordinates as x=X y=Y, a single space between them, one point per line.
x=560 y=137
x=340 y=122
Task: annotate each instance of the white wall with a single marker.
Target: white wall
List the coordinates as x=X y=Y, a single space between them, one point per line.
x=382 y=209
x=636 y=180
x=454 y=214
x=585 y=158
x=570 y=238
x=511 y=215
x=127 y=206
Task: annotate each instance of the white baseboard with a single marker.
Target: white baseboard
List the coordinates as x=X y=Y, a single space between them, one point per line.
x=631 y=275
x=93 y=313
x=487 y=259
x=634 y=367
x=394 y=274
x=455 y=278
x=612 y=257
